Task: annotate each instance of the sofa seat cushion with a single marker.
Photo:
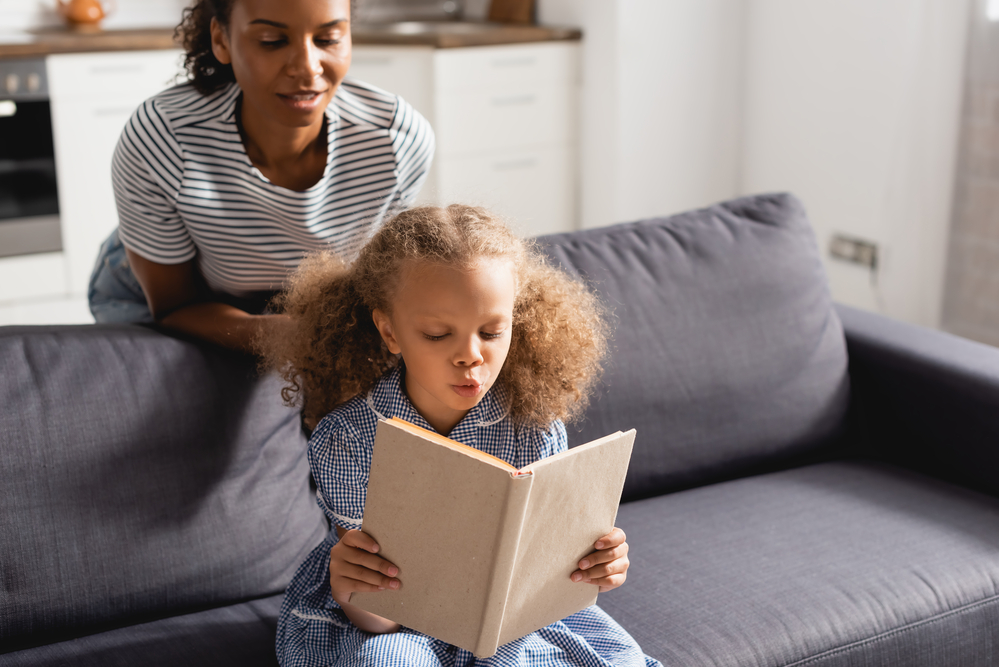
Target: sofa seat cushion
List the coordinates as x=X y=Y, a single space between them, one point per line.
x=844 y=563
x=240 y=635
x=728 y=357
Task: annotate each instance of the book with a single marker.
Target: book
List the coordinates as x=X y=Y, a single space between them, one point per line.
x=485 y=551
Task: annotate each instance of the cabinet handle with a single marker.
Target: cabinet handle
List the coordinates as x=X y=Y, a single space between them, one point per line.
x=514 y=100
x=115 y=69
x=372 y=60
x=525 y=61
x=114 y=111
x=510 y=165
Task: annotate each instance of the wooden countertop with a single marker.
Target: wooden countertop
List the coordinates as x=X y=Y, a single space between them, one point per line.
x=45 y=42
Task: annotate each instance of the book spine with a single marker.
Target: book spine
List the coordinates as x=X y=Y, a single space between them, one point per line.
x=508 y=541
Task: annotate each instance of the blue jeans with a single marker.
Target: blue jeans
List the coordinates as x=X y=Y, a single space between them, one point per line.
x=114 y=294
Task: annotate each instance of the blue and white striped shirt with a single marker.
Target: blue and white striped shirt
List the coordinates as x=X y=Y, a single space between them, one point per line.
x=186 y=189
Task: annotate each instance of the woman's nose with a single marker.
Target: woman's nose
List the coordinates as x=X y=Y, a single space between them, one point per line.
x=470 y=353
x=305 y=62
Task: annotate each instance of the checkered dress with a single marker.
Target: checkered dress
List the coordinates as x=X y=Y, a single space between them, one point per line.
x=313 y=631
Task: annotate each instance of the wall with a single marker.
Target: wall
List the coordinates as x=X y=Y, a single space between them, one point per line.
x=33 y=14
x=853 y=105
x=661 y=103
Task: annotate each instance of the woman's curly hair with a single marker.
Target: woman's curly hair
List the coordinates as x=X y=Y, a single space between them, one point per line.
x=330 y=350
x=194 y=33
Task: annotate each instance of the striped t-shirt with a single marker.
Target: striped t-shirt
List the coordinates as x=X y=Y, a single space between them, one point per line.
x=186 y=189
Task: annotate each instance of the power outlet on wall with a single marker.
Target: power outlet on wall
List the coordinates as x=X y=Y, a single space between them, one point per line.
x=854 y=250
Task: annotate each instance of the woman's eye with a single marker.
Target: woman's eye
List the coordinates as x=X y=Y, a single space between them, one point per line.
x=491 y=336
x=327 y=42
x=430 y=337
x=271 y=43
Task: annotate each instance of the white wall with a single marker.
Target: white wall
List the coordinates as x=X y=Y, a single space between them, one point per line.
x=661 y=107
x=854 y=105
x=32 y=14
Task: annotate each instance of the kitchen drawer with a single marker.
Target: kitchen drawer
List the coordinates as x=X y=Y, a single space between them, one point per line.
x=28 y=277
x=473 y=122
x=510 y=66
x=140 y=73
x=406 y=71
x=534 y=189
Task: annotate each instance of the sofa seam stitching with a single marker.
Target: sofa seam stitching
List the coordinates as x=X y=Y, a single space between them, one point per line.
x=890 y=633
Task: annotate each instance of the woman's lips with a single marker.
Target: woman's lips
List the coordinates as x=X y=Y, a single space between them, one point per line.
x=467 y=390
x=303 y=100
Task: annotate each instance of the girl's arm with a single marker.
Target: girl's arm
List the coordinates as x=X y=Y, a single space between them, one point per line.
x=172 y=292
x=355 y=567
x=607 y=567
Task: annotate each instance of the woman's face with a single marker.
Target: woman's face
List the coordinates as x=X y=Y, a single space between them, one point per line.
x=288 y=56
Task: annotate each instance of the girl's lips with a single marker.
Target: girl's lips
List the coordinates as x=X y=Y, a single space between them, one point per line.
x=467 y=390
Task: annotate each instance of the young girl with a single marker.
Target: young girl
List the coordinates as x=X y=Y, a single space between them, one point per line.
x=449 y=321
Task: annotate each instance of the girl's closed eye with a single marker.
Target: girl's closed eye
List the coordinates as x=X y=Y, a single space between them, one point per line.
x=433 y=337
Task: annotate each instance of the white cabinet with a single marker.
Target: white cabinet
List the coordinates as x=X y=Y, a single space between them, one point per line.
x=505 y=120
x=92 y=96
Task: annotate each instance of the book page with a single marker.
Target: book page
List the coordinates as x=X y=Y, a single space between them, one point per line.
x=573 y=503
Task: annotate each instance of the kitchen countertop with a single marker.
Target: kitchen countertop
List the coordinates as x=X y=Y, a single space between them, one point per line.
x=439 y=35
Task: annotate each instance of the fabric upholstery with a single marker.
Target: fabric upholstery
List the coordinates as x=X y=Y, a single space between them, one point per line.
x=142 y=475
x=926 y=398
x=727 y=352
x=240 y=635
x=847 y=563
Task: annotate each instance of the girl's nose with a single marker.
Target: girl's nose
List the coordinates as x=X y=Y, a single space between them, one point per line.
x=305 y=62
x=470 y=353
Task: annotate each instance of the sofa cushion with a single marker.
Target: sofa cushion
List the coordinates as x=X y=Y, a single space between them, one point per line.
x=847 y=563
x=240 y=635
x=142 y=475
x=728 y=355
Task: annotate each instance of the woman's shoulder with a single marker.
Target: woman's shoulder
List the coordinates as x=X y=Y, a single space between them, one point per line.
x=182 y=105
x=364 y=104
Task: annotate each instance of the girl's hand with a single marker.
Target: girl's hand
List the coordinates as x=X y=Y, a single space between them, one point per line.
x=607 y=567
x=354 y=567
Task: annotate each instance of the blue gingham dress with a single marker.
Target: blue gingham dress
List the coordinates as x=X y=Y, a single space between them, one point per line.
x=312 y=629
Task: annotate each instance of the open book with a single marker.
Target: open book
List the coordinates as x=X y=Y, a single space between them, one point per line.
x=484 y=550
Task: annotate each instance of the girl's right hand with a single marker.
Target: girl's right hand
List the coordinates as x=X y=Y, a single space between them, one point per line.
x=354 y=567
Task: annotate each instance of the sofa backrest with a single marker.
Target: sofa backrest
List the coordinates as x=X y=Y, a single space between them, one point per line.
x=728 y=356
x=142 y=475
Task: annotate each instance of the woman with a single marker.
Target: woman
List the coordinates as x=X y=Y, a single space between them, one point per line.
x=224 y=183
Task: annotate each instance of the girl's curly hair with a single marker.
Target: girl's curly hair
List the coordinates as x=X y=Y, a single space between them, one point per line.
x=330 y=351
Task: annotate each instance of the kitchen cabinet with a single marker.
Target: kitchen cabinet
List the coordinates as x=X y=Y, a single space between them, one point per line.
x=505 y=119
x=92 y=96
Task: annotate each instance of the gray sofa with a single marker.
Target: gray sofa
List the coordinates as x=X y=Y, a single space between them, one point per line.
x=811 y=484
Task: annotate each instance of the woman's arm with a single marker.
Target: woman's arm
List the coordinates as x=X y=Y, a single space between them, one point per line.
x=353 y=568
x=173 y=292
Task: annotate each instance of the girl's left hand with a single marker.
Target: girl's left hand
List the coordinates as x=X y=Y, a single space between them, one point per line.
x=607 y=567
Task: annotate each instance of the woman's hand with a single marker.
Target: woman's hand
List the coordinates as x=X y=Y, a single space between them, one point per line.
x=607 y=567
x=354 y=567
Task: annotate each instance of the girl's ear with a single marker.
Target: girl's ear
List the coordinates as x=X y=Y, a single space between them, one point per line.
x=220 y=43
x=384 y=326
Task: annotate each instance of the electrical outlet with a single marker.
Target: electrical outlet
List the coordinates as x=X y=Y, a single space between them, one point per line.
x=854 y=250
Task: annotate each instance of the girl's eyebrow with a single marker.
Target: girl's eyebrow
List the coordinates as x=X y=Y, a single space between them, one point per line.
x=284 y=26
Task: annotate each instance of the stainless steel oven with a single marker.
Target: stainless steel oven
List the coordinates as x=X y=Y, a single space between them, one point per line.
x=29 y=202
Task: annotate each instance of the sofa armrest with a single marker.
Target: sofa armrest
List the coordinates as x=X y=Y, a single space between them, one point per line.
x=924 y=398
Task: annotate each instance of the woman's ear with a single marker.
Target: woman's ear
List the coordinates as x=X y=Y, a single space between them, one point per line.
x=220 y=42
x=384 y=326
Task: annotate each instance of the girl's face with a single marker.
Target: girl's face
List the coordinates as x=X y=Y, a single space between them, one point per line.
x=452 y=328
x=288 y=56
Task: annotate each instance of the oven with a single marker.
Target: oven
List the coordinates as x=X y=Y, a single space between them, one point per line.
x=29 y=202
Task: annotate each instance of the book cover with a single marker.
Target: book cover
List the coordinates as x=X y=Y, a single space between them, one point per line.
x=484 y=550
